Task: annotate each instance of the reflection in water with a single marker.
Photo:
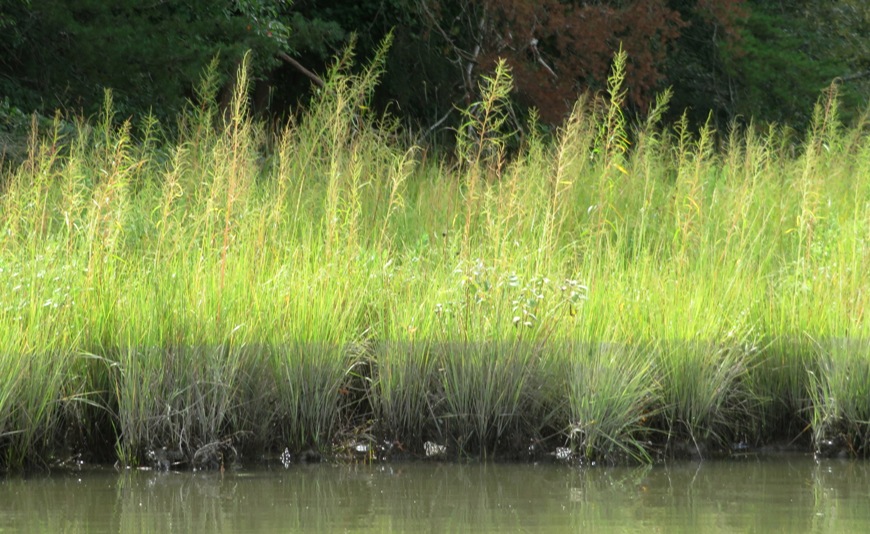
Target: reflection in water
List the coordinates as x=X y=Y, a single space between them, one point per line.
x=785 y=494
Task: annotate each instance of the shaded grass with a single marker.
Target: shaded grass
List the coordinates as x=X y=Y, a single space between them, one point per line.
x=618 y=291
x=611 y=396
x=839 y=392
x=401 y=391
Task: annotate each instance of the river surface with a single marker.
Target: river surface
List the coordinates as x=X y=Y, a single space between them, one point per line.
x=790 y=493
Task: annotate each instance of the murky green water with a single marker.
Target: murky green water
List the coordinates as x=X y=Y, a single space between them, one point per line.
x=783 y=494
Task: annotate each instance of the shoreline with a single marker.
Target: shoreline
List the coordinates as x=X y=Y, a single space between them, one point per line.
x=188 y=421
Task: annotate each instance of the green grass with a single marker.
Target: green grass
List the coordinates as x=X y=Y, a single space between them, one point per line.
x=625 y=291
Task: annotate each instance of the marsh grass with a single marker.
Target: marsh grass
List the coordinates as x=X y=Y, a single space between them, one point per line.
x=403 y=380
x=839 y=392
x=485 y=390
x=616 y=288
x=611 y=394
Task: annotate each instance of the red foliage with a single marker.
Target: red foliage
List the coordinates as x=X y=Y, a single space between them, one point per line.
x=559 y=48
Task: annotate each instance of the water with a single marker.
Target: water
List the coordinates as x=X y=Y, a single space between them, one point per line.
x=781 y=494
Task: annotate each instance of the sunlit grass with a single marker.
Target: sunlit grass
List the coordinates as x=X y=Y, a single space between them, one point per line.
x=620 y=291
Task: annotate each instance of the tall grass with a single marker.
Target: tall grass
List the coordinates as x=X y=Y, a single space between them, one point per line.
x=622 y=290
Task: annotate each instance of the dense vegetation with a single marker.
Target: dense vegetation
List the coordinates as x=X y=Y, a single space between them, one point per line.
x=734 y=58
x=623 y=290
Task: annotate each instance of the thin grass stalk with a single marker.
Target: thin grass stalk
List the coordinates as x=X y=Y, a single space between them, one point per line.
x=612 y=144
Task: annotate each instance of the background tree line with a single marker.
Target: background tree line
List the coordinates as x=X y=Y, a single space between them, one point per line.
x=729 y=58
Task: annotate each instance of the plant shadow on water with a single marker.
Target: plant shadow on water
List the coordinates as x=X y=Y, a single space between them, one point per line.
x=783 y=493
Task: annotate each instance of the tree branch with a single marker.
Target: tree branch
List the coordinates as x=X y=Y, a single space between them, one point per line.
x=855 y=76
x=298 y=66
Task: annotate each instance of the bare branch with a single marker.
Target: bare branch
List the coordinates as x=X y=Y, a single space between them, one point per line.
x=298 y=66
x=438 y=123
x=533 y=45
x=850 y=77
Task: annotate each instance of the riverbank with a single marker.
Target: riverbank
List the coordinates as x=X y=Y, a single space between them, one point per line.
x=618 y=291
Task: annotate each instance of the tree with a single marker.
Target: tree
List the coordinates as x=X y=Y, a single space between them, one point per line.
x=697 y=67
x=558 y=48
x=791 y=50
x=64 y=53
x=321 y=29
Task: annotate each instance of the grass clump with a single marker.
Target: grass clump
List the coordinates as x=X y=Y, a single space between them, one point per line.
x=611 y=399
